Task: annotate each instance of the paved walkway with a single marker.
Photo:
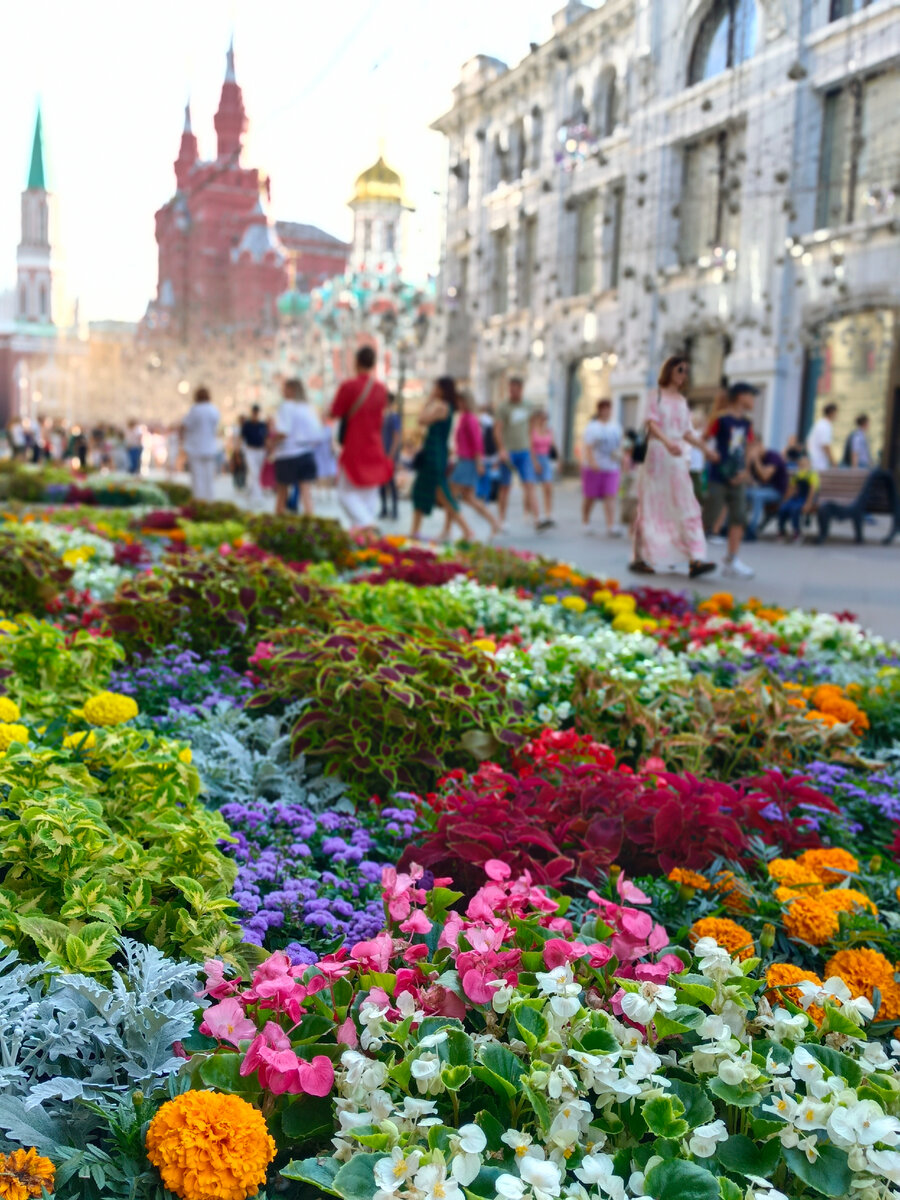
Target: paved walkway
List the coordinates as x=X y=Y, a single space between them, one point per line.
x=837 y=577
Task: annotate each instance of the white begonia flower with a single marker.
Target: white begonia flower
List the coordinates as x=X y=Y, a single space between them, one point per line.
x=426 y=1070
x=885 y=1163
x=510 y=1187
x=561 y=1082
x=432 y=1181
x=467 y=1145
x=392 y=1172
x=811 y=1114
x=519 y=1142
x=414 y=1109
x=705 y=1139
x=559 y=984
x=503 y=994
x=641 y=1006
x=781 y=1105
x=596 y=1170
x=541 y=1175
x=810 y=1147
x=805 y=1067
x=863 y=1125
x=873 y=1057
x=785 y=1025
x=764 y=1190
x=714 y=961
x=433 y=1039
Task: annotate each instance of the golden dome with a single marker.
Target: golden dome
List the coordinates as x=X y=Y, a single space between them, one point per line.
x=379 y=182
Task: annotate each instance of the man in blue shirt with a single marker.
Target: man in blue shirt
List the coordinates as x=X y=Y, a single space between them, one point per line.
x=732 y=433
x=254 y=432
x=391 y=439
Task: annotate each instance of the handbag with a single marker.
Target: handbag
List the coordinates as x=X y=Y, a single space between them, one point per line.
x=639 y=448
x=354 y=409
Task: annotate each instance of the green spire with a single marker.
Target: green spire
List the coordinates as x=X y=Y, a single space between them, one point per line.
x=36 y=180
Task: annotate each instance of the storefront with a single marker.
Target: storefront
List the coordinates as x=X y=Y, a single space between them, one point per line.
x=853 y=363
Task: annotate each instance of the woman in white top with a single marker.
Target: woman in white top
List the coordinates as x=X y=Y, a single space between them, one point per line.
x=601 y=456
x=198 y=435
x=297 y=432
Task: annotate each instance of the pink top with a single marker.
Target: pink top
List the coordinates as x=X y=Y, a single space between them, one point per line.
x=469 y=441
x=541 y=442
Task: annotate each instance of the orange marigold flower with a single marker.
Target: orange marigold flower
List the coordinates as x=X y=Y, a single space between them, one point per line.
x=726 y=933
x=863 y=971
x=825 y=718
x=24 y=1174
x=792 y=873
x=689 y=878
x=733 y=891
x=207 y=1144
x=809 y=920
x=783 y=976
x=848 y=900
x=831 y=864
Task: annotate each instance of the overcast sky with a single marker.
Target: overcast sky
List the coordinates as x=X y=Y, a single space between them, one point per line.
x=323 y=84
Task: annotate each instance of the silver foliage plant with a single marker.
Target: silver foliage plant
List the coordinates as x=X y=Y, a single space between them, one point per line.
x=243 y=757
x=76 y=1056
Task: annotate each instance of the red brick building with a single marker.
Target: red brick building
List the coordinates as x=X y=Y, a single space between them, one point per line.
x=223 y=261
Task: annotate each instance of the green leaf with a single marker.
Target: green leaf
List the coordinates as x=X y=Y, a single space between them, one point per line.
x=729 y=1190
x=458 y=1050
x=90 y=950
x=680 y=1180
x=663 y=1115
x=223 y=1071
x=745 y=1157
x=453 y=1078
x=492 y=1130
x=307 y=1117
x=698 y=1108
x=740 y=1095
x=830 y=1174
x=49 y=936
x=838 y=1063
x=532 y=1025
x=502 y=1062
x=599 y=1041
x=320 y=1172
x=484 y=1185
x=356 y=1178
x=539 y=1104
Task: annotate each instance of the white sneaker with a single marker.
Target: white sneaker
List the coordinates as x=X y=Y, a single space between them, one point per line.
x=715 y=540
x=616 y=532
x=735 y=569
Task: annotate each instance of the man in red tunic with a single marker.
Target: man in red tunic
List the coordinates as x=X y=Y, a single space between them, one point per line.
x=364 y=466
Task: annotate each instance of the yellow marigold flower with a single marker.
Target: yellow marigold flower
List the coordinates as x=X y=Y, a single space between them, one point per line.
x=10 y=733
x=863 y=971
x=109 y=708
x=622 y=602
x=627 y=622
x=25 y=1174
x=784 y=894
x=734 y=891
x=793 y=874
x=8 y=627
x=784 y=975
x=9 y=710
x=185 y=755
x=809 y=920
x=602 y=595
x=78 y=554
x=209 y=1145
x=575 y=603
x=825 y=718
x=84 y=740
x=831 y=864
x=488 y=645
x=551 y=599
x=848 y=900
x=723 y=600
x=726 y=933
x=692 y=879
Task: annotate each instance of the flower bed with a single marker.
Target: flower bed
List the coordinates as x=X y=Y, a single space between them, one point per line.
x=507 y=883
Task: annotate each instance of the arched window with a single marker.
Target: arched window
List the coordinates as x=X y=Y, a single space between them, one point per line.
x=537 y=138
x=43 y=300
x=23 y=301
x=727 y=38
x=606 y=115
x=390 y=237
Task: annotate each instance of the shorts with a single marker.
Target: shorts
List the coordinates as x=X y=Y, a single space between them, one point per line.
x=300 y=468
x=521 y=461
x=545 y=468
x=730 y=496
x=599 y=485
x=465 y=473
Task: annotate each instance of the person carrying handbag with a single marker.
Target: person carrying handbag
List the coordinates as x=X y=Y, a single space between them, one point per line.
x=363 y=465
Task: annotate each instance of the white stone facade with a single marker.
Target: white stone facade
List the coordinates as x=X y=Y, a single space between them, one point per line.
x=730 y=217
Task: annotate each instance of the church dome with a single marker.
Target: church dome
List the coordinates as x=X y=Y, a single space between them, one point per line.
x=379 y=182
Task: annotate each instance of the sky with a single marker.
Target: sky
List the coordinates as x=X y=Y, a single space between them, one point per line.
x=325 y=85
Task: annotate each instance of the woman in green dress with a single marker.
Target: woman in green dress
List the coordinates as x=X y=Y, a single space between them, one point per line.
x=430 y=484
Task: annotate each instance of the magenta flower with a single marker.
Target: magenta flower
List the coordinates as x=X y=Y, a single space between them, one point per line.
x=228 y=1022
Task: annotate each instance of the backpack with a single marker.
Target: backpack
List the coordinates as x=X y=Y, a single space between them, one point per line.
x=847 y=460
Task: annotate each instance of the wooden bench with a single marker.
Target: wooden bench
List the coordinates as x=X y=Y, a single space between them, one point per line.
x=850 y=493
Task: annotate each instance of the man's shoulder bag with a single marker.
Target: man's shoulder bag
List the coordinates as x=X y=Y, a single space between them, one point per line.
x=354 y=409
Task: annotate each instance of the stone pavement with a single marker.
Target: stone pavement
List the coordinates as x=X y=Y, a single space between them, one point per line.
x=837 y=577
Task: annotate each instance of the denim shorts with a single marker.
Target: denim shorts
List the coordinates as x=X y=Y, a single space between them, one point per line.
x=545 y=468
x=465 y=473
x=521 y=461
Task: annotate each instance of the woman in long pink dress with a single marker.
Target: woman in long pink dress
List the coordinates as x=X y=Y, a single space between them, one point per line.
x=669 y=524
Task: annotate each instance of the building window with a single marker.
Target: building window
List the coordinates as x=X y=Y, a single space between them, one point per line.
x=606 y=116
x=727 y=38
x=709 y=204
x=585 y=251
x=23 y=301
x=860 y=157
x=537 y=138
x=843 y=8
x=43 y=300
x=527 y=261
x=367 y=236
x=500 y=273
x=518 y=148
x=461 y=171
x=616 y=215
x=390 y=237
x=499 y=161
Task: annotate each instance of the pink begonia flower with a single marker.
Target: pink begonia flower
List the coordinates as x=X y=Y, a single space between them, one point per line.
x=346 y=1033
x=561 y=925
x=598 y=955
x=374 y=954
x=413 y=953
x=558 y=952
x=636 y=924
x=630 y=892
x=399 y=891
x=225 y=549
x=317 y=1076
x=332 y=966
x=217 y=986
x=263 y=651
x=280 y=1070
x=440 y=1001
x=416 y=922
x=453 y=927
x=228 y=1022
x=496 y=868
x=658 y=938
x=653 y=766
